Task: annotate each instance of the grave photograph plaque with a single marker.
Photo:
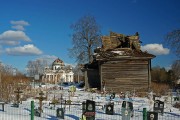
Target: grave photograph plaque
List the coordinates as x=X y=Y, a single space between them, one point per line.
x=60 y=113
x=152 y=116
x=110 y=109
x=159 y=106
x=112 y=95
x=90 y=110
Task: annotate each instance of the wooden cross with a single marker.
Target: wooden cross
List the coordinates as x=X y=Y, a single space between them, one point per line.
x=18 y=91
x=40 y=98
x=61 y=100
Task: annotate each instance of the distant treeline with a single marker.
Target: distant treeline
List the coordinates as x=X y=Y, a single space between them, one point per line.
x=161 y=75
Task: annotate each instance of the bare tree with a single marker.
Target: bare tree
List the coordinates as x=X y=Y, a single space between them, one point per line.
x=173 y=40
x=86 y=37
x=77 y=73
x=36 y=67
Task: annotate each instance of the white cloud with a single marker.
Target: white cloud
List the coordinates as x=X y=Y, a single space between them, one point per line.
x=11 y=36
x=1 y=49
x=19 y=25
x=168 y=67
x=20 y=22
x=10 y=42
x=49 y=58
x=24 y=50
x=156 y=49
x=73 y=65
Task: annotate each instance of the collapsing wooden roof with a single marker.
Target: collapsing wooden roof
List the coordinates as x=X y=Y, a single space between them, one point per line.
x=120 y=46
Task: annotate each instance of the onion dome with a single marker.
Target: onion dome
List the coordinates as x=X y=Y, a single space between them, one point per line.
x=58 y=62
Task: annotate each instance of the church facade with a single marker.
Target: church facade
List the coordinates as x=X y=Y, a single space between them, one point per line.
x=58 y=73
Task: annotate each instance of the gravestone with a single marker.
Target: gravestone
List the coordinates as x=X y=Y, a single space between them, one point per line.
x=112 y=95
x=89 y=112
x=109 y=108
x=159 y=106
x=2 y=103
x=152 y=116
x=60 y=113
x=37 y=113
x=127 y=110
x=15 y=105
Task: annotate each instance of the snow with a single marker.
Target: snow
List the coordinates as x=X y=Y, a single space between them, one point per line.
x=118 y=52
x=74 y=112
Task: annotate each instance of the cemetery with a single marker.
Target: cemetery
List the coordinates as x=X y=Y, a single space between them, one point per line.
x=75 y=104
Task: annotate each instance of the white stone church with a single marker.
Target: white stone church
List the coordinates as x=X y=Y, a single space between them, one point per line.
x=58 y=73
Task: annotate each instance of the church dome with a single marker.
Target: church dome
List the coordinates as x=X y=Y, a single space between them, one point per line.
x=58 y=62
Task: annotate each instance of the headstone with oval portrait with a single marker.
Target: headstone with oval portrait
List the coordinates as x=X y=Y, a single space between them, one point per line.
x=152 y=116
x=90 y=110
x=60 y=113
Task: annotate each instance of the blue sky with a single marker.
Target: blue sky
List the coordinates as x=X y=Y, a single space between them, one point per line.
x=32 y=29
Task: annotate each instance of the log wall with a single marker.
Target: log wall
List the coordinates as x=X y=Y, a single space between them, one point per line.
x=123 y=75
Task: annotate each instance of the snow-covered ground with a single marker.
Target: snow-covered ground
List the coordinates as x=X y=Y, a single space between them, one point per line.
x=74 y=112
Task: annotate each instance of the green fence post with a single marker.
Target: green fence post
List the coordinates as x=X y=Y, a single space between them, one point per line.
x=144 y=114
x=32 y=110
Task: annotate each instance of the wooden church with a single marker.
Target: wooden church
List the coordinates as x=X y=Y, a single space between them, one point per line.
x=119 y=65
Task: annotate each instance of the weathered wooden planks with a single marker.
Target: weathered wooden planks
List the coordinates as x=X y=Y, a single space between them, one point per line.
x=125 y=74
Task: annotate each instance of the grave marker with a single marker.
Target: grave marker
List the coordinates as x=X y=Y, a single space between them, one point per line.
x=127 y=110
x=159 y=106
x=18 y=91
x=112 y=95
x=88 y=109
x=152 y=116
x=37 y=113
x=40 y=98
x=60 y=113
x=2 y=103
x=109 y=108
